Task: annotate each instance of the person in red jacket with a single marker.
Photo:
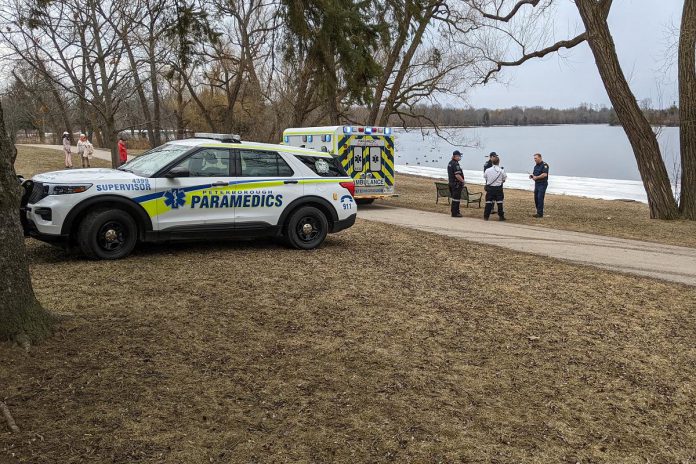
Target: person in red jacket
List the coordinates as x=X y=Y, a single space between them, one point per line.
x=122 y=151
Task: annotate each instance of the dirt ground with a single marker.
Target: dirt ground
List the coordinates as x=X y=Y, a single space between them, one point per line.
x=605 y=217
x=385 y=345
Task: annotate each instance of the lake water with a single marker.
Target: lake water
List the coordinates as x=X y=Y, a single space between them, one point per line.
x=587 y=160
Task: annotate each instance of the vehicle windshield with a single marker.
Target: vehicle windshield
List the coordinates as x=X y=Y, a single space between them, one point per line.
x=147 y=164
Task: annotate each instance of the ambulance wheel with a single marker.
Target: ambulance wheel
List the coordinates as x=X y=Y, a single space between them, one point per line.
x=364 y=201
x=107 y=234
x=307 y=228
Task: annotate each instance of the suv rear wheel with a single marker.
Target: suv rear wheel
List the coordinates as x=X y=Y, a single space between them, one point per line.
x=307 y=228
x=107 y=234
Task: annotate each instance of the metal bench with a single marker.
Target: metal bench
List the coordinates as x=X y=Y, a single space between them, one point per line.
x=442 y=191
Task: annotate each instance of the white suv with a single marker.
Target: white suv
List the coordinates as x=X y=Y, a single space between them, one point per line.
x=212 y=186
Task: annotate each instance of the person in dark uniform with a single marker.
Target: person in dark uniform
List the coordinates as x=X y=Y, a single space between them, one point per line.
x=495 y=177
x=489 y=163
x=455 y=176
x=540 y=176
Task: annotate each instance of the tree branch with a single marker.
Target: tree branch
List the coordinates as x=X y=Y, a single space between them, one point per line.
x=513 y=12
x=537 y=54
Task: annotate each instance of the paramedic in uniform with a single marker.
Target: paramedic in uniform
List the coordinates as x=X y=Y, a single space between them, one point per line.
x=455 y=176
x=540 y=176
x=495 y=177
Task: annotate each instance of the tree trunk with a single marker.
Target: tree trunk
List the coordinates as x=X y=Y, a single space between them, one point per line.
x=156 y=114
x=140 y=90
x=390 y=104
x=389 y=68
x=687 y=109
x=179 y=113
x=301 y=102
x=638 y=130
x=21 y=315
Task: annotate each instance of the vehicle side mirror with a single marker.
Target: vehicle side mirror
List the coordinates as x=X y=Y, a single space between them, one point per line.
x=177 y=171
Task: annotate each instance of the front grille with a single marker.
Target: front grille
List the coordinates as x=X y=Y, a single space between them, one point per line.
x=40 y=192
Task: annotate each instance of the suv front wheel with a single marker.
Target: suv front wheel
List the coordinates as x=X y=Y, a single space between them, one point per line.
x=307 y=228
x=107 y=234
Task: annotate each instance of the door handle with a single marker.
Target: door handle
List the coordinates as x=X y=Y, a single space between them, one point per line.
x=289 y=181
x=219 y=184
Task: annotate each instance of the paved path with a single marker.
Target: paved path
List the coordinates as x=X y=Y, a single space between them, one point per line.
x=98 y=152
x=676 y=264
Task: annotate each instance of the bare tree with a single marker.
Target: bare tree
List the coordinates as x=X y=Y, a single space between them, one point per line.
x=74 y=44
x=594 y=15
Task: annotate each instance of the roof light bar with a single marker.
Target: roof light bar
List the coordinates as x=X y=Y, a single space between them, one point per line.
x=224 y=138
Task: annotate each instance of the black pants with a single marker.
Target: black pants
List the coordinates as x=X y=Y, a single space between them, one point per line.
x=456 y=192
x=539 y=194
x=494 y=195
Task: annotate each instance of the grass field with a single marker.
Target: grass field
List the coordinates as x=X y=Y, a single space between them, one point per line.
x=385 y=345
x=605 y=217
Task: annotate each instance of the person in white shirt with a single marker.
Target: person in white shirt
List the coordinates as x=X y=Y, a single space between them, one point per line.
x=85 y=149
x=495 y=177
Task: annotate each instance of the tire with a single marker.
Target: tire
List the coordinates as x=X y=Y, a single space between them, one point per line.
x=307 y=228
x=364 y=201
x=107 y=234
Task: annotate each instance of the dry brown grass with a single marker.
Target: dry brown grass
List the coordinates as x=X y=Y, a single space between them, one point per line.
x=613 y=218
x=407 y=347
x=32 y=161
x=385 y=345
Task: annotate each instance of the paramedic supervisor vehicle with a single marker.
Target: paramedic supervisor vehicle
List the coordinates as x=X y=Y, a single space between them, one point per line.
x=211 y=186
x=366 y=153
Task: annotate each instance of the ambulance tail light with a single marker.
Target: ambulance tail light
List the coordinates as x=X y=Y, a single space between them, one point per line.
x=350 y=186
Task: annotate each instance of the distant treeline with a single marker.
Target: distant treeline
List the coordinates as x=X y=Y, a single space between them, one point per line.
x=519 y=116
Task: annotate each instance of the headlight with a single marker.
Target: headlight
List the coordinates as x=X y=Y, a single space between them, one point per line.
x=65 y=189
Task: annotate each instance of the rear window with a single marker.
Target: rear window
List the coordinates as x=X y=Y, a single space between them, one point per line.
x=325 y=167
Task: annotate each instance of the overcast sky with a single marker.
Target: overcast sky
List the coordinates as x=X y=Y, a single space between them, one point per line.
x=641 y=33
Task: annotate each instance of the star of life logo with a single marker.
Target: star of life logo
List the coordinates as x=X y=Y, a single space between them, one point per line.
x=175 y=198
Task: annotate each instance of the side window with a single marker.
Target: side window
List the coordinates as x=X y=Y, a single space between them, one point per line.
x=263 y=164
x=324 y=166
x=209 y=162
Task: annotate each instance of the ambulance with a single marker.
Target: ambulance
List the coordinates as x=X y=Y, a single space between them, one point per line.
x=366 y=154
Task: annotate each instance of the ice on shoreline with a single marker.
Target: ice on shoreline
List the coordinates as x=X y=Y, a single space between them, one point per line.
x=605 y=189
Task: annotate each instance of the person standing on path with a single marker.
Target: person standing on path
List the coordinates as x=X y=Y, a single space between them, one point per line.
x=85 y=149
x=488 y=164
x=455 y=177
x=67 y=150
x=540 y=176
x=495 y=177
x=122 y=150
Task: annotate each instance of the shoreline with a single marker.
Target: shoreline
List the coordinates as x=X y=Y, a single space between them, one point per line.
x=582 y=187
